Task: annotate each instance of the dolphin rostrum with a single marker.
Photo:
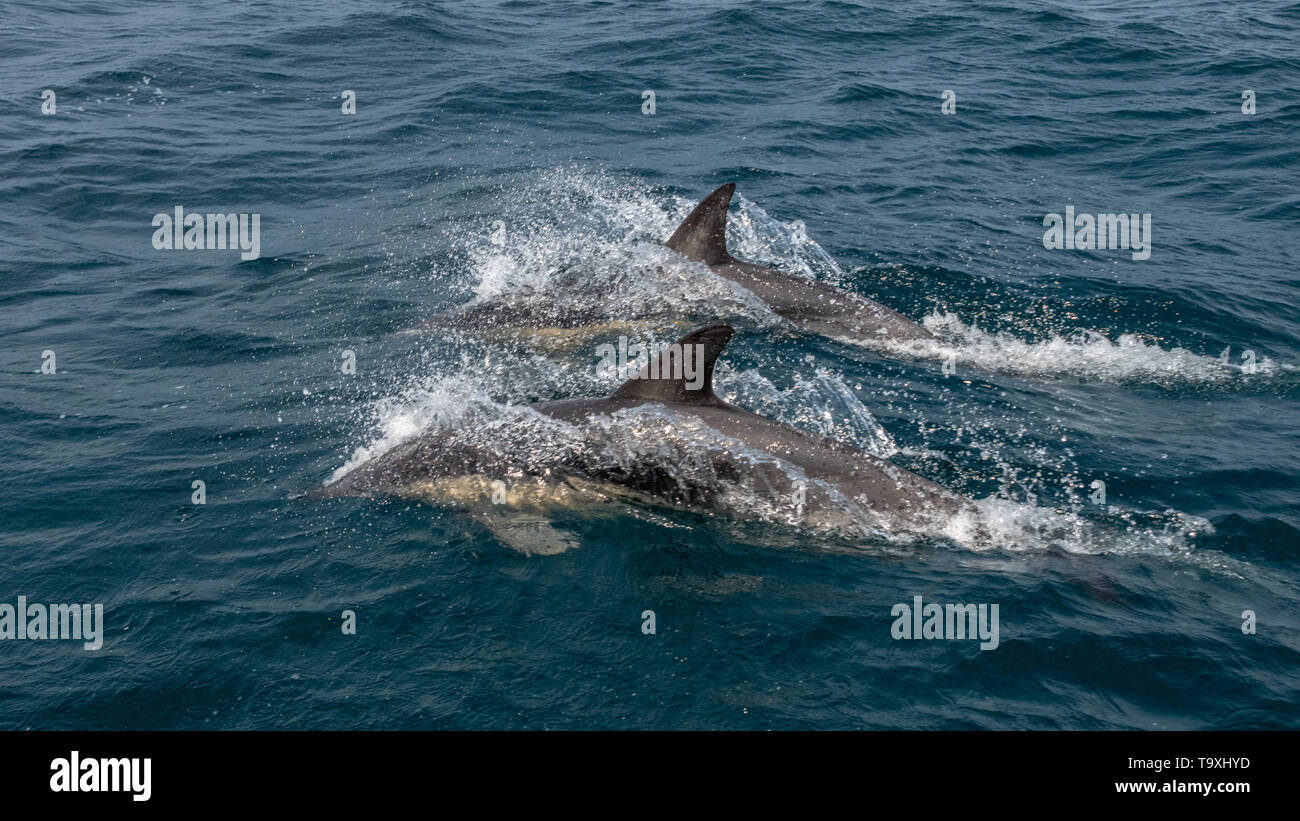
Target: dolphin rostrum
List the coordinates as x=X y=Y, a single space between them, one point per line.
x=732 y=453
x=813 y=306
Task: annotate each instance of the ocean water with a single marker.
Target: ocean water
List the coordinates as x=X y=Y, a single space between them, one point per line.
x=499 y=154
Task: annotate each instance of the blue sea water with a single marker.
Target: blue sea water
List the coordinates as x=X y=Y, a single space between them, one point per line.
x=499 y=152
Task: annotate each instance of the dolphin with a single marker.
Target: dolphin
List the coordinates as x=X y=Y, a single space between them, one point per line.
x=802 y=477
x=813 y=306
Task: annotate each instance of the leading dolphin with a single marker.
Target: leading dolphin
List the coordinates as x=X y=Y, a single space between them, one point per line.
x=813 y=479
x=813 y=306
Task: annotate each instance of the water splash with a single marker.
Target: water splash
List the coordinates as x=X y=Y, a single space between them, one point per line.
x=592 y=245
x=755 y=236
x=1083 y=354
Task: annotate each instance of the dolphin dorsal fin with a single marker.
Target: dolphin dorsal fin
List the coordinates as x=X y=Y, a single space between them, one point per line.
x=682 y=374
x=702 y=236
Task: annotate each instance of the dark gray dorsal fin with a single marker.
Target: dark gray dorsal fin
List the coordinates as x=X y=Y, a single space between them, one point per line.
x=684 y=372
x=702 y=236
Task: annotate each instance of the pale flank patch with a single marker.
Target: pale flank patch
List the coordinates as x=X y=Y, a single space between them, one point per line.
x=520 y=519
x=562 y=340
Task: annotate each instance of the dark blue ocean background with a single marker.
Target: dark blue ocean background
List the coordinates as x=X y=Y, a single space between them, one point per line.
x=1071 y=366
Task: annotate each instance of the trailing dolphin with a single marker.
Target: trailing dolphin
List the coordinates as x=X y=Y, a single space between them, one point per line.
x=663 y=438
x=585 y=310
x=813 y=306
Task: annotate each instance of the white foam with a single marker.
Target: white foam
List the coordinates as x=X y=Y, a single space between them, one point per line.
x=594 y=243
x=418 y=408
x=1085 y=354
